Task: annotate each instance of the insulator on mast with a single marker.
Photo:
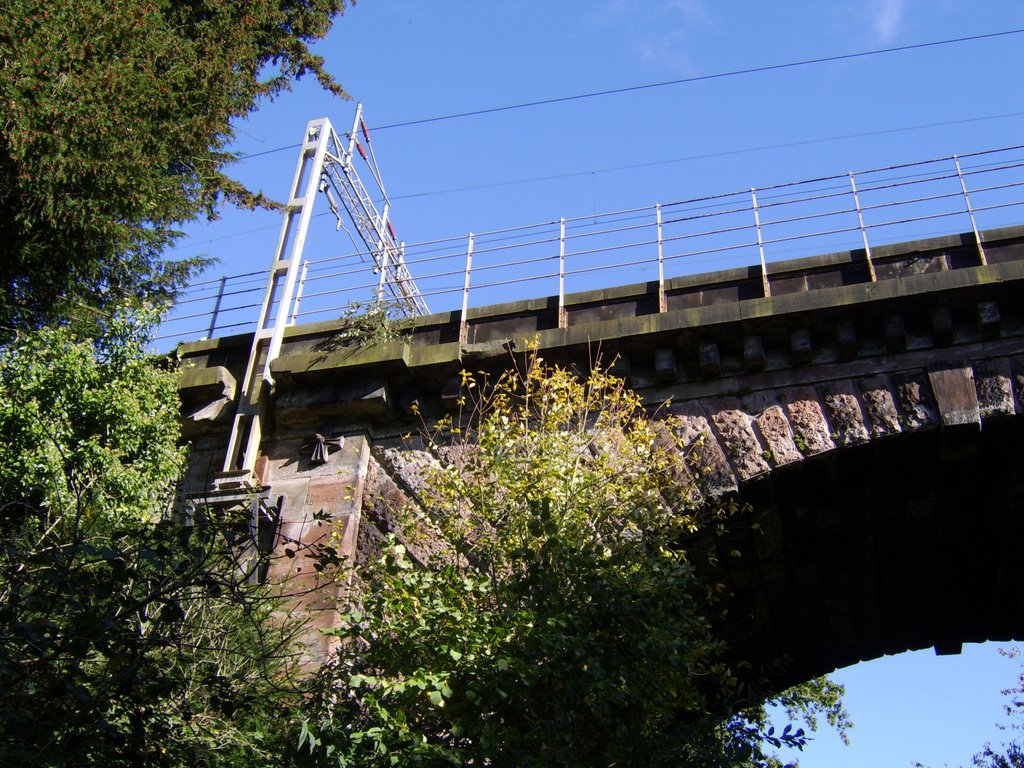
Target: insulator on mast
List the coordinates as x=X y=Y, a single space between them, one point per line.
x=391 y=229
x=362 y=152
x=365 y=130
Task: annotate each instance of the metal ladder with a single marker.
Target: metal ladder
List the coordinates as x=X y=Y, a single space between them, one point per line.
x=323 y=165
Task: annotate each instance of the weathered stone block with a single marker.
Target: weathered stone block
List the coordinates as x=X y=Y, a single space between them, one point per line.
x=800 y=346
x=361 y=398
x=993 y=380
x=777 y=435
x=955 y=395
x=753 y=353
x=846 y=339
x=206 y=396
x=989 y=318
x=665 y=365
x=810 y=427
x=844 y=412
x=914 y=401
x=410 y=467
x=708 y=359
x=713 y=470
x=198 y=385
x=882 y=417
x=736 y=435
x=487 y=351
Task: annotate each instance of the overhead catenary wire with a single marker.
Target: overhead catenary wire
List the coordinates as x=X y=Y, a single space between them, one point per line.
x=633 y=166
x=664 y=84
x=700 y=78
x=705 y=156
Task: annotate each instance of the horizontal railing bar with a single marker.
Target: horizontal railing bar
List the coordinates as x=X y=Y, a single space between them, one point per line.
x=808 y=217
x=728 y=212
x=914 y=201
x=724 y=231
x=507 y=264
x=999 y=205
x=815 y=198
x=613 y=231
x=511 y=246
x=498 y=283
x=913 y=219
x=610 y=248
x=683 y=255
x=899 y=184
x=821 y=233
x=994 y=187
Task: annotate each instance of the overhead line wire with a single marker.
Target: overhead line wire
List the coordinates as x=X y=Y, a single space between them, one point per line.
x=699 y=78
x=707 y=156
x=666 y=83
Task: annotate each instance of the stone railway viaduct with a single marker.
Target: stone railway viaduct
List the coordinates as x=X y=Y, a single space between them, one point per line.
x=872 y=418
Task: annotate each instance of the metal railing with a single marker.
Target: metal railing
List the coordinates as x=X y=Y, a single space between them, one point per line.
x=748 y=228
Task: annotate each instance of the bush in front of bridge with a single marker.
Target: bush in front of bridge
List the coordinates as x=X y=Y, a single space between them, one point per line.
x=557 y=620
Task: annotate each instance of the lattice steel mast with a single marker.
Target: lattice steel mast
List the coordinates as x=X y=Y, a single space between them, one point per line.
x=324 y=165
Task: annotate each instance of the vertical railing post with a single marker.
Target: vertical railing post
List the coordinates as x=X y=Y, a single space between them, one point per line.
x=463 y=322
x=863 y=229
x=216 y=308
x=970 y=212
x=760 y=245
x=298 y=292
x=662 y=299
x=563 y=319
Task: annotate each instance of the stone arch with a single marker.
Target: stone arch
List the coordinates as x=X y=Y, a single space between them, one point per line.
x=887 y=514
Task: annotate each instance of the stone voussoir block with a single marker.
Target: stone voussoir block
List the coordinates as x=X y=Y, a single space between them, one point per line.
x=844 y=412
x=777 y=435
x=734 y=428
x=914 y=401
x=811 y=431
x=880 y=406
x=993 y=380
x=955 y=394
x=711 y=465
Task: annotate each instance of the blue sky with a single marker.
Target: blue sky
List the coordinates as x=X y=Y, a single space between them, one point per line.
x=408 y=59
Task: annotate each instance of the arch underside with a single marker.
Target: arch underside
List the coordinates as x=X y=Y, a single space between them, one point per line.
x=901 y=543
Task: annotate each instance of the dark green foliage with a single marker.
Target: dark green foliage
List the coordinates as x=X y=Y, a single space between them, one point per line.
x=126 y=637
x=115 y=119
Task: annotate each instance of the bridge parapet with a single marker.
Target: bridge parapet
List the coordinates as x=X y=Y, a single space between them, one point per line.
x=714 y=331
